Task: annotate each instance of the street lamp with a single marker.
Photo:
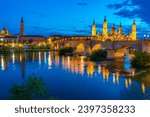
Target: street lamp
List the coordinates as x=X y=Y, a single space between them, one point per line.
x=146 y=37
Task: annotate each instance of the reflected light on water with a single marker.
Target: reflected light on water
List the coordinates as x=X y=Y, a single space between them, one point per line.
x=13 y=58
x=74 y=64
x=126 y=83
x=133 y=72
x=56 y=60
x=68 y=62
x=45 y=58
x=99 y=69
x=20 y=57
x=117 y=77
x=39 y=58
x=130 y=81
x=82 y=66
x=49 y=61
x=114 y=78
x=90 y=68
x=143 y=88
x=2 y=63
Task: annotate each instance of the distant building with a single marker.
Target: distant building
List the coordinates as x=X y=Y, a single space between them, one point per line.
x=31 y=39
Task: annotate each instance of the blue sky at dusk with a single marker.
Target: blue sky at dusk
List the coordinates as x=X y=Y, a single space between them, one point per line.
x=73 y=17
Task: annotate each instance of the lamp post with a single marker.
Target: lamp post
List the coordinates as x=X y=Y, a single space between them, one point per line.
x=146 y=37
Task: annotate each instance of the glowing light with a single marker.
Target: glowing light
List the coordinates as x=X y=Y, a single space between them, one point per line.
x=49 y=61
x=80 y=48
x=39 y=58
x=13 y=58
x=68 y=62
x=2 y=63
x=130 y=81
x=143 y=87
x=45 y=57
x=133 y=72
x=114 y=78
x=96 y=47
x=82 y=66
x=20 y=57
x=99 y=69
x=90 y=68
x=13 y=45
x=57 y=60
x=106 y=74
x=2 y=39
x=117 y=77
x=126 y=83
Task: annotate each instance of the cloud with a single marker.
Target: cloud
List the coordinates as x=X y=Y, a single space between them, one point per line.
x=82 y=3
x=38 y=14
x=120 y=5
x=133 y=9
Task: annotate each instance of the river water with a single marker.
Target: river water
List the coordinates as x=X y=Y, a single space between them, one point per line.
x=74 y=78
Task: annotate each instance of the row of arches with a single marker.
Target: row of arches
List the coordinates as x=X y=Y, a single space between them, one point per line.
x=80 y=48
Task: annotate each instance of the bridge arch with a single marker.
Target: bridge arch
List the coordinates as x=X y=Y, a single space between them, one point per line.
x=80 y=48
x=122 y=51
x=67 y=45
x=96 y=47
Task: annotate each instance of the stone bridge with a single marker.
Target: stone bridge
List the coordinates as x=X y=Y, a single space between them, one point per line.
x=87 y=46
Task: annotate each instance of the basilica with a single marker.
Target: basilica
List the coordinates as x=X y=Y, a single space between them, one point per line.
x=114 y=35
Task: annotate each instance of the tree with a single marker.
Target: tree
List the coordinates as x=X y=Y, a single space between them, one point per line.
x=98 y=55
x=140 y=59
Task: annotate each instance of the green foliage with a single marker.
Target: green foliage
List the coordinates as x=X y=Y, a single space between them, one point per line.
x=5 y=49
x=32 y=88
x=18 y=49
x=140 y=59
x=64 y=51
x=38 y=47
x=98 y=55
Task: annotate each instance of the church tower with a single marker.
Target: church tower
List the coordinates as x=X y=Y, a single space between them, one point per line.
x=93 y=29
x=105 y=28
x=120 y=30
x=134 y=31
x=22 y=27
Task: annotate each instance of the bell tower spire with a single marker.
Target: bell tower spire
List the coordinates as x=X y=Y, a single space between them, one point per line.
x=22 y=27
x=105 y=28
x=134 y=31
x=94 y=28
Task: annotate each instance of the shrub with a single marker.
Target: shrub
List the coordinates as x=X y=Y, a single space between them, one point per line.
x=98 y=55
x=32 y=88
x=36 y=47
x=5 y=49
x=64 y=51
x=140 y=59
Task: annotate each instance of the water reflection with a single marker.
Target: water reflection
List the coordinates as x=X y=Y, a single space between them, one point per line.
x=143 y=87
x=79 y=65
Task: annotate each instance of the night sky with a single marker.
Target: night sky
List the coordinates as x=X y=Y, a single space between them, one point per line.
x=73 y=17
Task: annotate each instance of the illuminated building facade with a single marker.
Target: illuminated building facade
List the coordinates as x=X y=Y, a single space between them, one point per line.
x=114 y=35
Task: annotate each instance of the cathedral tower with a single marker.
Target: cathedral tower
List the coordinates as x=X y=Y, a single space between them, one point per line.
x=22 y=27
x=120 y=30
x=105 y=28
x=134 y=31
x=93 y=29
